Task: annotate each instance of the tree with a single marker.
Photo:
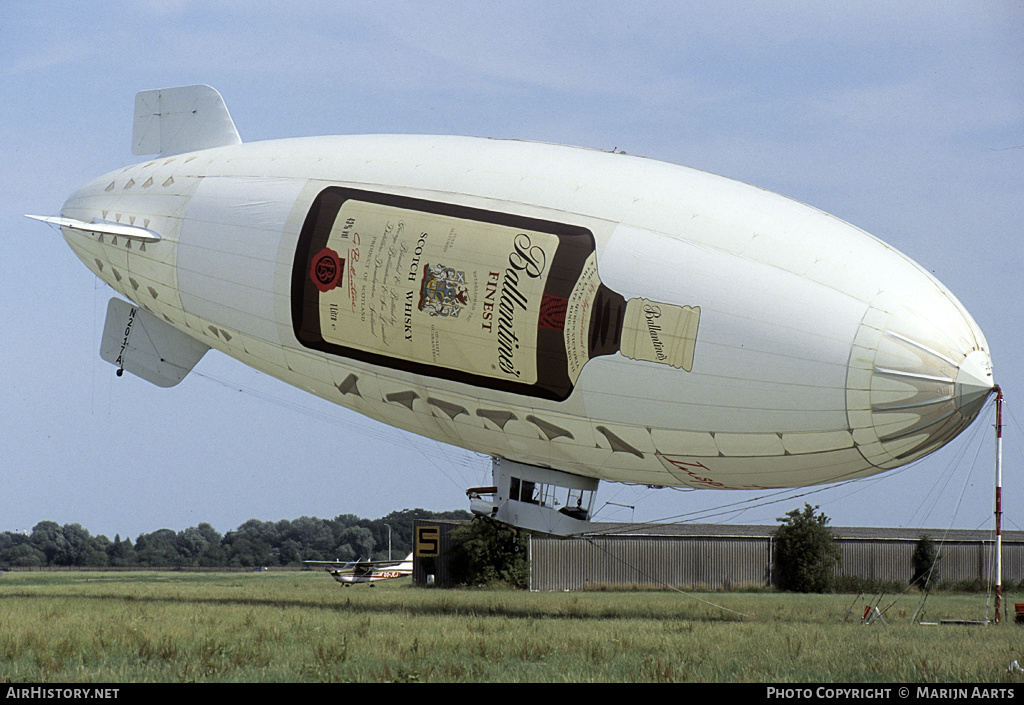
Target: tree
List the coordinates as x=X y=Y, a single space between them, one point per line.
x=157 y=549
x=194 y=543
x=70 y=544
x=214 y=554
x=120 y=552
x=485 y=553
x=48 y=538
x=96 y=552
x=926 y=575
x=806 y=552
x=314 y=536
x=76 y=545
x=17 y=550
x=354 y=541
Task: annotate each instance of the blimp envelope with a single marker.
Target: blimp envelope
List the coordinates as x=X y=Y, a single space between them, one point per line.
x=598 y=314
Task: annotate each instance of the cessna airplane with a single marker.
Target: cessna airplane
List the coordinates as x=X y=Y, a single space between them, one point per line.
x=356 y=572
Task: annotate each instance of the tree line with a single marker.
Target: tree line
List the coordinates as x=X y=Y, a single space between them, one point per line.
x=253 y=544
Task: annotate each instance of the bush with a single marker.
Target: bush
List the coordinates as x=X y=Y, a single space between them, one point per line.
x=487 y=553
x=926 y=575
x=806 y=552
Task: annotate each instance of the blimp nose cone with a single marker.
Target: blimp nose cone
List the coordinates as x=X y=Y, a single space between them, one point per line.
x=974 y=381
x=920 y=374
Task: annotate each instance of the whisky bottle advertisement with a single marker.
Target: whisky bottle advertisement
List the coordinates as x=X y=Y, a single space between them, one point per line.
x=475 y=296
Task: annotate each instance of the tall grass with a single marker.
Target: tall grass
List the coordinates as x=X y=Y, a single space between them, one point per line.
x=79 y=627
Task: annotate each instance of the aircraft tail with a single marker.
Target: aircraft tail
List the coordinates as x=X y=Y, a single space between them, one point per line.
x=184 y=119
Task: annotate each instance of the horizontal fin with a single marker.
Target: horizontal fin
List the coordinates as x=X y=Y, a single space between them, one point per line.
x=100 y=228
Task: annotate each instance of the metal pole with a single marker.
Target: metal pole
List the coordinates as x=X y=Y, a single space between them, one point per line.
x=999 y=504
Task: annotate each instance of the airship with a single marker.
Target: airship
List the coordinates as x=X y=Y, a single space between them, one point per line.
x=576 y=314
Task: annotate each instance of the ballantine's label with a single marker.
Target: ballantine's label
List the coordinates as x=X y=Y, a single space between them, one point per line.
x=433 y=288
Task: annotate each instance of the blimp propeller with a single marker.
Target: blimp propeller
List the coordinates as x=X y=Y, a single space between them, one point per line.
x=578 y=315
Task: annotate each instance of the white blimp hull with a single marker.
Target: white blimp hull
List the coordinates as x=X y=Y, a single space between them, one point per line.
x=746 y=340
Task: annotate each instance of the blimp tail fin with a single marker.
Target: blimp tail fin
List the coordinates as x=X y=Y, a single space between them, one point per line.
x=146 y=346
x=184 y=119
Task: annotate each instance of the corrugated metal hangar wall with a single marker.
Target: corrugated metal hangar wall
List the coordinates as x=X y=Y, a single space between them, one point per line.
x=616 y=561
x=717 y=556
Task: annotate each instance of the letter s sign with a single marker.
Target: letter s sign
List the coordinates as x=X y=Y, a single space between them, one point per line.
x=428 y=541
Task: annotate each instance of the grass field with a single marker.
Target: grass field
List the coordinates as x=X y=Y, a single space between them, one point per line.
x=300 y=626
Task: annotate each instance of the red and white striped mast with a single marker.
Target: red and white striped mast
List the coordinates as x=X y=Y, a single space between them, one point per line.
x=999 y=503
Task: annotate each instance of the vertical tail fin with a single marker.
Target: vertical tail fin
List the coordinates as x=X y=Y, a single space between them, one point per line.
x=175 y=120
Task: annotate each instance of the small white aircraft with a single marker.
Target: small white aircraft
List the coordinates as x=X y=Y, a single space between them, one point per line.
x=355 y=572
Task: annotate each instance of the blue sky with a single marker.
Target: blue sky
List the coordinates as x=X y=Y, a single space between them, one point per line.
x=906 y=119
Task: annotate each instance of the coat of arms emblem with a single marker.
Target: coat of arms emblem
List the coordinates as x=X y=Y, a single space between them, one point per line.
x=444 y=291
